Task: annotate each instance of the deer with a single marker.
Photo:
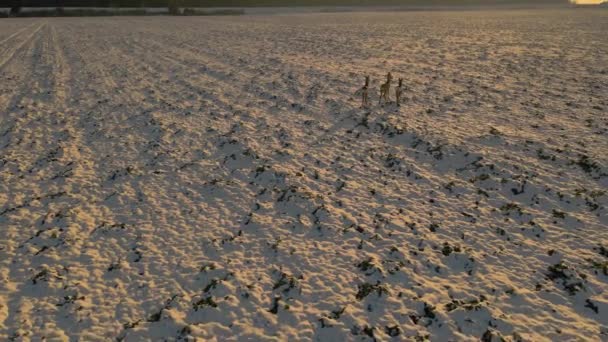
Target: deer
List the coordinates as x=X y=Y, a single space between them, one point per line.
x=385 y=89
x=364 y=93
x=399 y=91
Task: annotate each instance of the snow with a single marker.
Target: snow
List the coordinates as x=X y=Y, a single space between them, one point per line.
x=214 y=177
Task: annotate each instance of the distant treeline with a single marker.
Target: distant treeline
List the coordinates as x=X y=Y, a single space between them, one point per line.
x=260 y=3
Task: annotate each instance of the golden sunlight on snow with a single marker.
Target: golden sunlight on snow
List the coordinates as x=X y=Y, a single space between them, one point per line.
x=216 y=178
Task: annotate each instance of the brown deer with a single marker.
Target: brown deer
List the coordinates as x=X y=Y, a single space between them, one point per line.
x=365 y=93
x=385 y=89
x=399 y=91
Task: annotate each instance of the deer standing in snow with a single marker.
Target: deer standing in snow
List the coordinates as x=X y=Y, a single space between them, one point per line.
x=399 y=91
x=385 y=88
x=364 y=93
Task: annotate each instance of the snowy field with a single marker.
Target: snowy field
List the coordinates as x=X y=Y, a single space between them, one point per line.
x=214 y=178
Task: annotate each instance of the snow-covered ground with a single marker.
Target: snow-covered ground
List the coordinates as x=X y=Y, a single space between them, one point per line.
x=215 y=178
